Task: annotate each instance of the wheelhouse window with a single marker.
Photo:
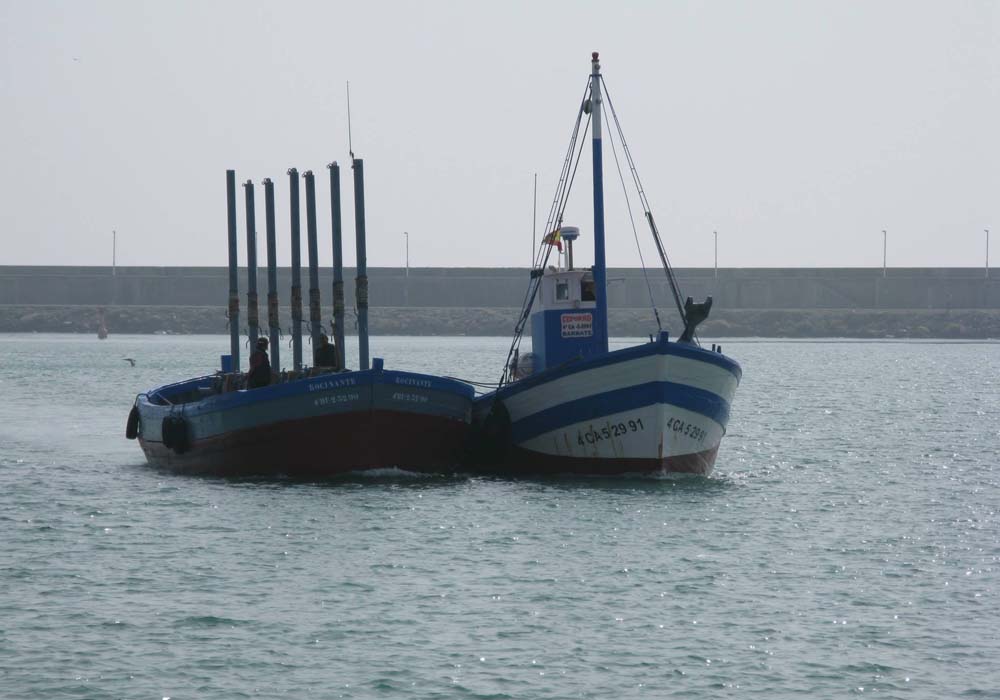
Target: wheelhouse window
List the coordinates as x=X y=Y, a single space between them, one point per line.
x=562 y=291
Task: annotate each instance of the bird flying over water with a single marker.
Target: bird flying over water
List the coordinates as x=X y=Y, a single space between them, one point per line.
x=130 y=361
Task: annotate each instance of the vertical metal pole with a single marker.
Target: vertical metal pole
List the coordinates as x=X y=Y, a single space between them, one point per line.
x=406 y=287
x=716 y=234
x=253 y=321
x=534 y=220
x=361 y=294
x=338 y=261
x=234 y=285
x=293 y=184
x=114 y=266
x=274 y=326
x=314 y=311
x=884 y=239
x=600 y=265
x=987 y=252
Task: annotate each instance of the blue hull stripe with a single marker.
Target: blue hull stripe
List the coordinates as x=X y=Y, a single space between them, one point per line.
x=615 y=356
x=599 y=405
x=319 y=383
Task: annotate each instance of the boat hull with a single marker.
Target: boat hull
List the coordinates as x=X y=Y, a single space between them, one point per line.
x=313 y=428
x=523 y=462
x=660 y=407
x=322 y=447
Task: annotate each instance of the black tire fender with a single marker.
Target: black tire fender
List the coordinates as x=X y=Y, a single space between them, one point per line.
x=490 y=437
x=167 y=432
x=182 y=435
x=132 y=424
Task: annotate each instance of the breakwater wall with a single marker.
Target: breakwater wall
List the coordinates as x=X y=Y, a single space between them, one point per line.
x=966 y=324
x=732 y=288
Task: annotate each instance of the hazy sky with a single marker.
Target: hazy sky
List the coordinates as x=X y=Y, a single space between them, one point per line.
x=797 y=130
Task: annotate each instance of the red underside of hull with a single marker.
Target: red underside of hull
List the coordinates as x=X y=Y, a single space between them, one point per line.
x=329 y=446
x=323 y=447
x=522 y=462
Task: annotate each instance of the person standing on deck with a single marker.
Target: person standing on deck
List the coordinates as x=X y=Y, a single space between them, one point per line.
x=325 y=354
x=260 y=366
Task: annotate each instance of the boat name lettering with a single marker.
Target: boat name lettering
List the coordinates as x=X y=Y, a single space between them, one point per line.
x=687 y=429
x=408 y=381
x=332 y=384
x=592 y=435
x=413 y=398
x=335 y=399
x=577 y=325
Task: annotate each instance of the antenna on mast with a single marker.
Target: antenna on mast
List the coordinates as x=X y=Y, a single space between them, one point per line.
x=350 y=146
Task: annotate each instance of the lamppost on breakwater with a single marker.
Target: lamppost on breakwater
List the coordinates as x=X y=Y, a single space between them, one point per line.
x=716 y=234
x=114 y=265
x=884 y=237
x=987 y=252
x=406 y=282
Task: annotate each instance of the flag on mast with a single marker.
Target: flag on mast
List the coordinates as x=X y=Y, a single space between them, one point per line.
x=554 y=238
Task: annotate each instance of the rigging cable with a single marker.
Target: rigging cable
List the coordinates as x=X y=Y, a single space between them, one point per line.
x=484 y=385
x=671 y=279
x=635 y=233
x=566 y=177
x=545 y=251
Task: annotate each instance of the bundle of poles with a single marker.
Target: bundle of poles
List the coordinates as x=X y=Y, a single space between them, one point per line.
x=315 y=313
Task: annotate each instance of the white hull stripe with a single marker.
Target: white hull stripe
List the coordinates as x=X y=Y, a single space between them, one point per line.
x=621 y=375
x=652 y=432
x=596 y=406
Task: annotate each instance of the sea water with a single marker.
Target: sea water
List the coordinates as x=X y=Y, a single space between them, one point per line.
x=847 y=544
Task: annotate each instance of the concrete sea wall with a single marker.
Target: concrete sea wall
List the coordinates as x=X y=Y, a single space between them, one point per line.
x=393 y=320
x=733 y=288
x=919 y=302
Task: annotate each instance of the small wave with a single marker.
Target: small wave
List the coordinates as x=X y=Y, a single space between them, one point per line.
x=209 y=621
x=391 y=473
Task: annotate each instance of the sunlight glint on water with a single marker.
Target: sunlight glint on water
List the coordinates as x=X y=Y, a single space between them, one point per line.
x=847 y=544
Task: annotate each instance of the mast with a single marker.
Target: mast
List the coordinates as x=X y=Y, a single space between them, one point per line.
x=272 y=276
x=600 y=266
x=361 y=280
x=313 y=247
x=338 y=261
x=253 y=322
x=234 y=289
x=293 y=182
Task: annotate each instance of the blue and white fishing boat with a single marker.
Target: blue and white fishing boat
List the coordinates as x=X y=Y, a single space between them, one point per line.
x=571 y=405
